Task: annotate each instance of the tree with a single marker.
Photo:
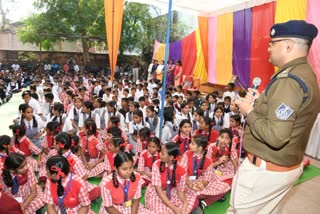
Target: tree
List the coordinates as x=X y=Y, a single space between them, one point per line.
x=64 y=20
x=4 y=10
x=84 y=19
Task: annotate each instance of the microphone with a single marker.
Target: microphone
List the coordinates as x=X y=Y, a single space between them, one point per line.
x=256 y=83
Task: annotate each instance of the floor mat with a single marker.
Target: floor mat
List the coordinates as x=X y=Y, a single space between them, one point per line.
x=218 y=207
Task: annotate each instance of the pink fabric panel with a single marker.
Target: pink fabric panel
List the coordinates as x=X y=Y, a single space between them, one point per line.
x=212 y=43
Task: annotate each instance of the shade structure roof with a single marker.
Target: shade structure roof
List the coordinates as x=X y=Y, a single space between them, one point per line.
x=205 y=7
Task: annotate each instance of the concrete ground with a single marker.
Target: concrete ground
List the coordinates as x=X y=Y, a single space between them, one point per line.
x=303 y=198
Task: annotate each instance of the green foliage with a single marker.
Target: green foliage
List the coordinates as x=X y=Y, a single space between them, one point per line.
x=26 y=56
x=84 y=19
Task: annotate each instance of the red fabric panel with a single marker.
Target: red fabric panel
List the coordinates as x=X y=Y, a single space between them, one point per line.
x=189 y=54
x=262 y=20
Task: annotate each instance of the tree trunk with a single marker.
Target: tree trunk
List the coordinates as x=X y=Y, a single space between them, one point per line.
x=85 y=49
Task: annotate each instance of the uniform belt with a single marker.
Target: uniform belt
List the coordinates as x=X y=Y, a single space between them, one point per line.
x=255 y=160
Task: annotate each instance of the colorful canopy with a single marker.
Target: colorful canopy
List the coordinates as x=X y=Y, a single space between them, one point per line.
x=236 y=43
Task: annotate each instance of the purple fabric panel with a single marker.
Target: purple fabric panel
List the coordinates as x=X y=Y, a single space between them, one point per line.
x=175 y=50
x=242 y=46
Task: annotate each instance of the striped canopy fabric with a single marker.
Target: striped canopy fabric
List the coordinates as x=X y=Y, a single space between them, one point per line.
x=236 y=43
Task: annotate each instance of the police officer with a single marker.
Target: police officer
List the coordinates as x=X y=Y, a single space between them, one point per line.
x=279 y=122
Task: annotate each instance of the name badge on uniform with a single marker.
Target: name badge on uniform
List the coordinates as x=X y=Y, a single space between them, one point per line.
x=19 y=199
x=218 y=172
x=128 y=203
x=192 y=178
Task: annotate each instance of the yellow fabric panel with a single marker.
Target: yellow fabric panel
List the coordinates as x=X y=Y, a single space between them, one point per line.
x=160 y=52
x=224 y=48
x=113 y=16
x=290 y=9
x=200 y=70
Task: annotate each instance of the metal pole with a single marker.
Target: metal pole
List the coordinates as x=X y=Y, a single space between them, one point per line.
x=165 y=67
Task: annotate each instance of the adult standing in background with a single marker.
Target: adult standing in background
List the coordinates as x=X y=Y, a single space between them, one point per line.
x=135 y=71
x=170 y=76
x=178 y=73
x=279 y=122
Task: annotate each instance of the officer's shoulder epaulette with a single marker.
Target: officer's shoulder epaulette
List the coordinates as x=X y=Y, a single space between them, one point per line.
x=286 y=74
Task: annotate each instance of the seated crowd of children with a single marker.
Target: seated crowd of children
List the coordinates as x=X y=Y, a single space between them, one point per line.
x=71 y=129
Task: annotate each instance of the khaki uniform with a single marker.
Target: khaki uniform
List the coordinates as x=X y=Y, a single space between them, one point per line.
x=279 y=126
x=277 y=131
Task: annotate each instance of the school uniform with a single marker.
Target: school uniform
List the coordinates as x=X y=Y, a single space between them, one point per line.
x=8 y=204
x=208 y=114
x=134 y=130
x=91 y=148
x=35 y=106
x=161 y=179
x=141 y=145
x=102 y=112
x=182 y=142
x=33 y=127
x=66 y=124
x=117 y=114
x=3 y=156
x=28 y=148
x=177 y=108
x=116 y=197
x=144 y=111
x=47 y=143
x=129 y=117
x=106 y=97
x=92 y=115
x=226 y=109
x=213 y=135
x=106 y=143
x=226 y=170
x=108 y=166
x=109 y=162
x=145 y=163
x=195 y=125
x=76 y=194
x=168 y=132
x=74 y=114
x=215 y=186
x=217 y=122
x=26 y=181
x=66 y=103
x=154 y=125
x=180 y=116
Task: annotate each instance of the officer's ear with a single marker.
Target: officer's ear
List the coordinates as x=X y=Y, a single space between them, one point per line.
x=289 y=45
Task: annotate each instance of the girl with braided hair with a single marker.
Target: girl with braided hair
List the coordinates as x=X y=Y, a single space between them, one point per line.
x=6 y=149
x=147 y=157
x=88 y=113
x=58 y=115
x=202 y=182
x=224 y=156
x=121 y=191
x=169 y=128
x=166 y=194
x=21 y=142
x=20 y=182
x=183 y=139
x=65 y=192
x=67 y=147
x=34 y=125
x=206 y=128
x=92 y=150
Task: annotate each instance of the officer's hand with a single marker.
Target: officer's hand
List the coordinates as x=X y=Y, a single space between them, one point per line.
x=245 y=106
x=249 y=95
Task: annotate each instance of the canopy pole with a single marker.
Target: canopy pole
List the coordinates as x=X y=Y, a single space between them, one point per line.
x=164 y=78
